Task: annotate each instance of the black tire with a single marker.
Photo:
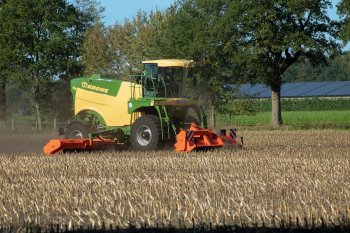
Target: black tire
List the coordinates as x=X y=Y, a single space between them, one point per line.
x=77 y=130
x=145 y=133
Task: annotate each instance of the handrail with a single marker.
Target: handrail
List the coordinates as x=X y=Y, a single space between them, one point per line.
x=145 y=86
x=165 y=90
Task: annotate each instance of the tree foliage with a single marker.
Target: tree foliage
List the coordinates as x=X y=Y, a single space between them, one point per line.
x=256 y=41
x=231 y=42
x=267 y=37
x=6 y=56
x=336 y=69
x=133 y=41
x=191 y=31
x=344 y=12
x=44 y=39
x=97 y=56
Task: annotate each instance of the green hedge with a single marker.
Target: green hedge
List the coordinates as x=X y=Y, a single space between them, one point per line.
x=306 y=104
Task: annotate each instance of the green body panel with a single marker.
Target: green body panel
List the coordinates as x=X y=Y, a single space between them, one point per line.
x=96 y=84
x=135 y=104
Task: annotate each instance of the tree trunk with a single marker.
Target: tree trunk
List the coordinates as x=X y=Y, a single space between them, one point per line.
x=36 y=97
x=212 y=120
x=276 y=117
x=2 y=100
x=38 y=116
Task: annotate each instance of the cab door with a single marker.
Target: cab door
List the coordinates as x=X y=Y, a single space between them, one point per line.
x=149 y=80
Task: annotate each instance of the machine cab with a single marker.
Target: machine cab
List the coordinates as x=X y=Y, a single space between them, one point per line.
x=165 y=78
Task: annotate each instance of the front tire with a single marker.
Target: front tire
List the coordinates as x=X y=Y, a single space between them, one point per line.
x=76 y=130
x=145 y=133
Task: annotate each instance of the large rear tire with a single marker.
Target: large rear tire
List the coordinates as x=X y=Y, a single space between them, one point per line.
x=77 y=130
x=145 y=133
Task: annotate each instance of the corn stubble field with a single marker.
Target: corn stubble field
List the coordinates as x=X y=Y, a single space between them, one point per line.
x=294 y=179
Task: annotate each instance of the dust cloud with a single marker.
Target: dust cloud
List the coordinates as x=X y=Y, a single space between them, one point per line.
x=23 y=143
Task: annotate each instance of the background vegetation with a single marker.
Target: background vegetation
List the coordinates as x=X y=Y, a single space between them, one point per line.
x=298 y=113
x=292 y=104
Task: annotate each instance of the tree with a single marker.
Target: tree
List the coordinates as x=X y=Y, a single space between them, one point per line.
x=91 y=10
x=5 y=58
x=272 y=35
x=3 y=80
x=190 y=30
x=131 y=42
x=97 y=55
x=337 y=69
x=44 y=40
x=344 y=12
x=88 y=11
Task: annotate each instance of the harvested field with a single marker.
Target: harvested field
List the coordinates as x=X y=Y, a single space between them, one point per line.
x=280 y=178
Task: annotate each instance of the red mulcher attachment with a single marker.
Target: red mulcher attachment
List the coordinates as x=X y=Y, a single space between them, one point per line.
x=197 y=138
x=56 y=146
x=230 y=140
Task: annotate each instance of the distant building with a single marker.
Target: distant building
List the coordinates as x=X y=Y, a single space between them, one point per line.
x=299 y=90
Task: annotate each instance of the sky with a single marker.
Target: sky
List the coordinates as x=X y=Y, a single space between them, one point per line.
x=118 y=10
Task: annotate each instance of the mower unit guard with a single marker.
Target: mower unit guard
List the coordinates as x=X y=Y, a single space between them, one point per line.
x=56 y=146
x=197 y=138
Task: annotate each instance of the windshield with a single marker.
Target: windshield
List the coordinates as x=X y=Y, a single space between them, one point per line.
x=173 y=79
x=163 y=82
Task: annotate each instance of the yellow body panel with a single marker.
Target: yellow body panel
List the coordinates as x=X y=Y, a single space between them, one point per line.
x=113 y=109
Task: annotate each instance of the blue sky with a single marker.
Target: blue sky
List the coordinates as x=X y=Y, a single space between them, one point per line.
x=118 y=10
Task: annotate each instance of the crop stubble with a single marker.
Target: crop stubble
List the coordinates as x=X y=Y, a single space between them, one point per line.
x=279 y=176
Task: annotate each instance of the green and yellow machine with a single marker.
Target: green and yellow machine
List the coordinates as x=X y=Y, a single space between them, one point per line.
x=143 y=112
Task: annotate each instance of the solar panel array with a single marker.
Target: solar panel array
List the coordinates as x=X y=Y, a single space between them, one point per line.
x=295 y=90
